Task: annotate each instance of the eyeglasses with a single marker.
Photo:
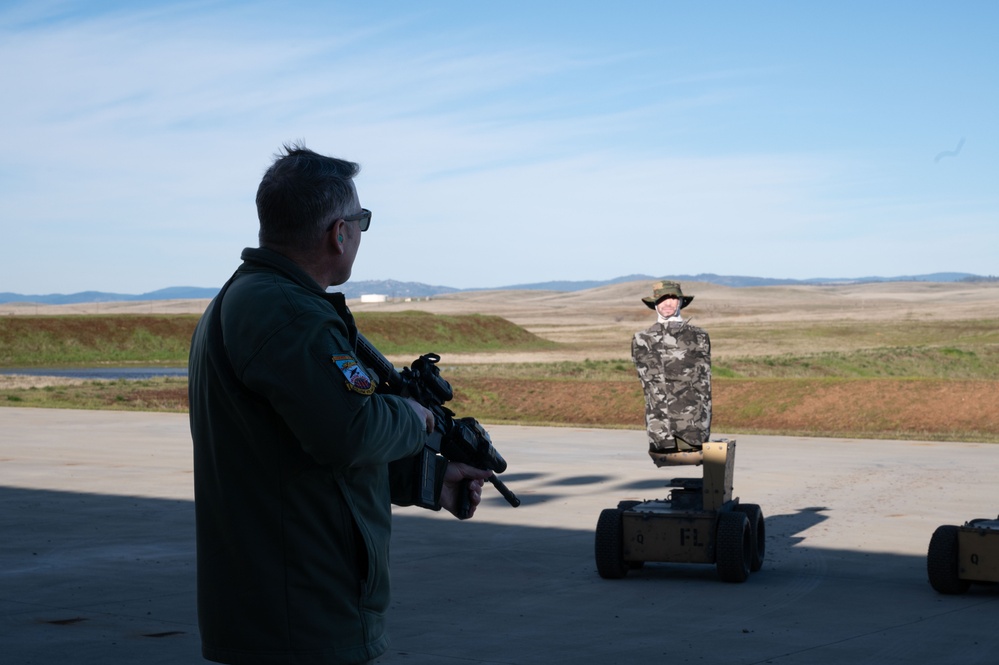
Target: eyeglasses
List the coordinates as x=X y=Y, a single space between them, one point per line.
x=364 y=217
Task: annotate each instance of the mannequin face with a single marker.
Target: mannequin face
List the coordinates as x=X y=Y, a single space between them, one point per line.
x=668 y=306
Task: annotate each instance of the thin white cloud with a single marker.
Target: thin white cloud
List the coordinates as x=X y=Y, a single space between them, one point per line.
x=558 y=159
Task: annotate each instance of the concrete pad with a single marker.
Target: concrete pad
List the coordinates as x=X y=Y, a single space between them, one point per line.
x=97 y=555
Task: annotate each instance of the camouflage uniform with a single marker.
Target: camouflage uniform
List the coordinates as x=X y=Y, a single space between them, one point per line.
x=673 y=360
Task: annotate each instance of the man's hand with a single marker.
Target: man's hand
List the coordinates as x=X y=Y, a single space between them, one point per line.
x=423 y=412
x=456 y=478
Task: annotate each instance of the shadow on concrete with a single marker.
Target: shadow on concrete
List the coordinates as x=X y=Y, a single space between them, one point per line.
x=92 y=578
x=501 y=593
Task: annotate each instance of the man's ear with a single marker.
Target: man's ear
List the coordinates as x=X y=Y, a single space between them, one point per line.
x=337 y=235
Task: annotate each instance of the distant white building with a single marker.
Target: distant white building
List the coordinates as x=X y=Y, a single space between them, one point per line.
x=373 y=297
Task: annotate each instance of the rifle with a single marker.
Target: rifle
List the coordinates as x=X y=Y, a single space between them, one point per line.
x=457 y=439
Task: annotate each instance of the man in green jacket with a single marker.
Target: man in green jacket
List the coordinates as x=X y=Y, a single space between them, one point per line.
x=297 y=459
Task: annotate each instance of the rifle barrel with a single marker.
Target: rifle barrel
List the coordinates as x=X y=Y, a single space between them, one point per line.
x=510 y=497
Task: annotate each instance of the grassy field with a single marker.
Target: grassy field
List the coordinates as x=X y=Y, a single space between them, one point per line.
x=870 y=380
x=83 y=341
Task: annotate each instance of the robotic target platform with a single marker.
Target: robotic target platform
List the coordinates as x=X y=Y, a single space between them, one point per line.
x=699 y=521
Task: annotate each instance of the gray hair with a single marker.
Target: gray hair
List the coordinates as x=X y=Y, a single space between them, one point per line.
x=299 y=194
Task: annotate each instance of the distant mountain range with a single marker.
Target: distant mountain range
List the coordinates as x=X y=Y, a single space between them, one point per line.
x=394 y=289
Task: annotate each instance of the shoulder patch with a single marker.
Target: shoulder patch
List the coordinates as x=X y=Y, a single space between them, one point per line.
x=356 y=379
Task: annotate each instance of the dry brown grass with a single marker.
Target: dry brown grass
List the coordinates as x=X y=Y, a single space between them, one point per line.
x=598 y=323
x=744 y=323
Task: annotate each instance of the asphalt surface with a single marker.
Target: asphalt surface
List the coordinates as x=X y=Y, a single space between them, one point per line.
x=97 y=554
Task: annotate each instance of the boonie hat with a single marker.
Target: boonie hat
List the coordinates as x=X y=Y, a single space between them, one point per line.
x=666 y=288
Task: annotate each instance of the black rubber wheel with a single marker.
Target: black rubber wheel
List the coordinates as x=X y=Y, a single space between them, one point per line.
x=757 y=533
x=608 y=547
x=733 y=547
x=941 y=562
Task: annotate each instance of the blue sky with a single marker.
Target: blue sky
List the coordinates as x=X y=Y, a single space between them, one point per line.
x=503 y=143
